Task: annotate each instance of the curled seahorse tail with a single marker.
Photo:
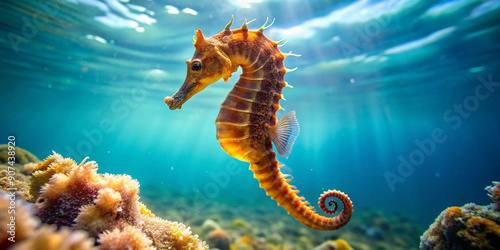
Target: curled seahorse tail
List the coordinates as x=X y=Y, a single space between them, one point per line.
x=274 y=182
x=347 y=208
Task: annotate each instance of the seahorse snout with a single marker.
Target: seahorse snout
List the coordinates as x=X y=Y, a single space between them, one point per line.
x=174 y=102
x=188 y=89
x=170 y=102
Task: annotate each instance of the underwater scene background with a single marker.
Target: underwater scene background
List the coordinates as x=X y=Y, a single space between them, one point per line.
x=397 y=102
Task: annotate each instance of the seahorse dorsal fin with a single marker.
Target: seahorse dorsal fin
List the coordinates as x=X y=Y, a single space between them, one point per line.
x=284 y=134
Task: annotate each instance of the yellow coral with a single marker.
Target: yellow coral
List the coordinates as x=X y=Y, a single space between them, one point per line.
x=481 y=233
x=145 y=210
x=334 y=245
x=342 y=245
x=452 y=214
x=13 y=181
x=170 y=235
x=46 y=169
x=468 y=227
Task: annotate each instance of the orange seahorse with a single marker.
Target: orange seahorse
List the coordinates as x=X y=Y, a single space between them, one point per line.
x=247 y=124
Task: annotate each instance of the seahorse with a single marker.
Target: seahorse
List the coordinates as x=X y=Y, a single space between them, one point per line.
x=247 y=125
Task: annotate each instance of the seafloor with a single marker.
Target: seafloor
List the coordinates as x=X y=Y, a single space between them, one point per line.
x=58 y=201
x=267 y=226
x=59 y=204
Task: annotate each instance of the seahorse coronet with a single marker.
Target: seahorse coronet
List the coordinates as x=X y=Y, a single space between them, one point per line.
x=247 y=117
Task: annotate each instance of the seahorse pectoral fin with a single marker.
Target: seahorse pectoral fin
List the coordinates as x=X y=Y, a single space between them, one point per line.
x=284 y=134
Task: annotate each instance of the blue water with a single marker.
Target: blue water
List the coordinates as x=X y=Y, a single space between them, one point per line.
x=397 y=100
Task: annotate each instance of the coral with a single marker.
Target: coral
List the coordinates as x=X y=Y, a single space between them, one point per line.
x=115 y=205
x=18 y=229
x=11 y=180
x=170 y=235
x=48 y=238
x=219 y=239
x=467 y=227
x=494 y=193
x=102 y=214
x=14 y=173
x=128 y=238
x=25 y=233
x=334 y=245
x=78 y=196
x=46 y=169
x=482 y=233
x=63 y=196
x=22 y=156
x=104 y=205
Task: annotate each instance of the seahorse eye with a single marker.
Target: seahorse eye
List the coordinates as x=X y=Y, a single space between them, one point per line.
x=196 y=66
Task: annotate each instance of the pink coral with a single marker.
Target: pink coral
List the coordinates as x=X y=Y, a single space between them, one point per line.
x=114 y=205
x=78 y=196
x=128 y=238
x=89 y=201
x=64 y=195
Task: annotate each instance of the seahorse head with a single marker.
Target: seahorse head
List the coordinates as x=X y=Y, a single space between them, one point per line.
x=208 y=65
